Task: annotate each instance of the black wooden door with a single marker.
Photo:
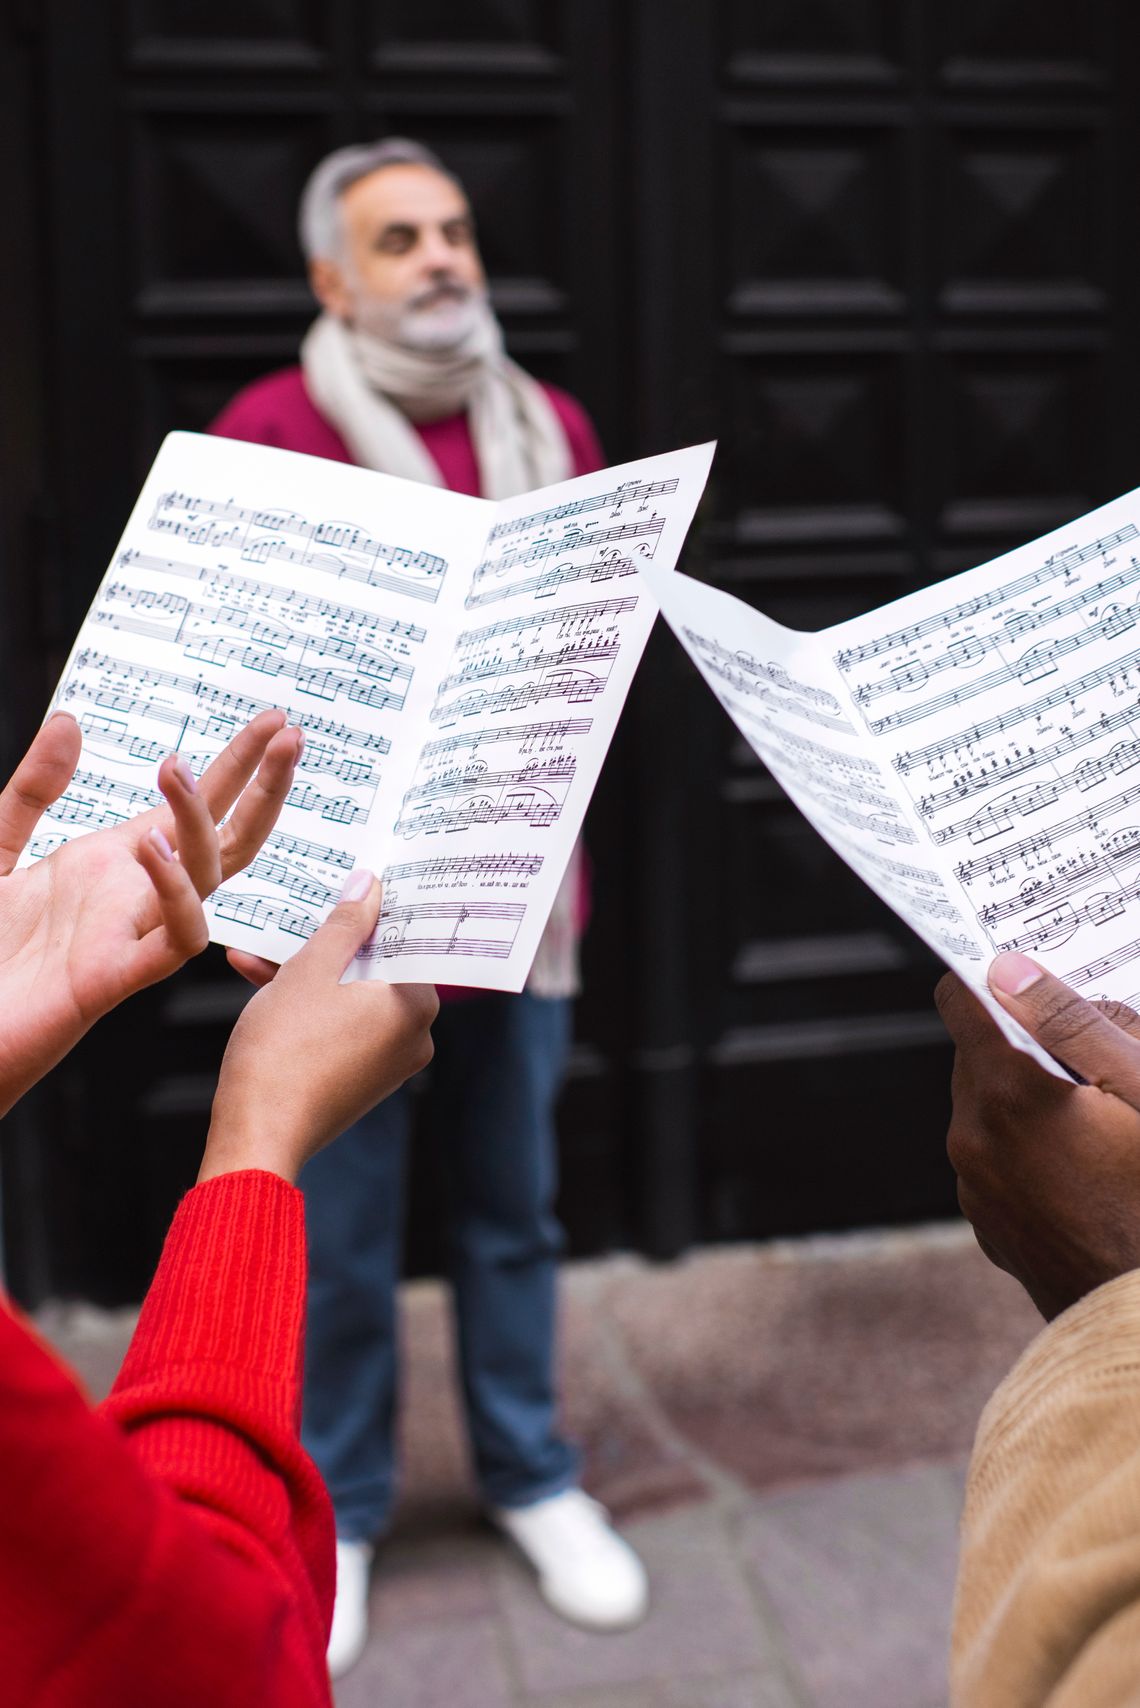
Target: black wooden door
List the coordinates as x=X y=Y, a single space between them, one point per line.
x=888 y=253
x=880 y=248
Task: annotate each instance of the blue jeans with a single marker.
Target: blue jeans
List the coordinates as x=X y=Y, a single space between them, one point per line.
x=499 y=1062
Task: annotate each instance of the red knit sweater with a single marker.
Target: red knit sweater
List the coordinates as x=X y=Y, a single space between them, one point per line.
x=174 y=1548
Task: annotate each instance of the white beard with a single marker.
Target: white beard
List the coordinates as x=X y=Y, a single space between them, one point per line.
x=439 y=326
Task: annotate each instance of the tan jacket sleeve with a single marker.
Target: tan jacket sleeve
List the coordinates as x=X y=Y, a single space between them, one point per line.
x=1047 y=1610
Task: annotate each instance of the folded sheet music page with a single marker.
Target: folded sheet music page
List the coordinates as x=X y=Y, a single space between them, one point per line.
x=972 y=750
x=457 y=666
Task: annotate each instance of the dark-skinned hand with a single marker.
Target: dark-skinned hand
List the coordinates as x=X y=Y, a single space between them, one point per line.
x=1048 y=1172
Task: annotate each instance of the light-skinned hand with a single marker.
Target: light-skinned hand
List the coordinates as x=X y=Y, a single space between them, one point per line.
x=309 y=1055
x=114 y=911
x=1048 y=1172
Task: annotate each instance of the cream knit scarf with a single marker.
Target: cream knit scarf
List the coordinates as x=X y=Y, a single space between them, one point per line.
x=370 y=390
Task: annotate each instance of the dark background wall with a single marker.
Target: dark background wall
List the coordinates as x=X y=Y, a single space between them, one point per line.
x=882 y=249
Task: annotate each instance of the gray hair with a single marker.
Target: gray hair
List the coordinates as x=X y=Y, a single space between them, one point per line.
x=318 y=221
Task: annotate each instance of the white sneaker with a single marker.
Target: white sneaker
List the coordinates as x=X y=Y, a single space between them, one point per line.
x=350 y=1610
x=586 y=1571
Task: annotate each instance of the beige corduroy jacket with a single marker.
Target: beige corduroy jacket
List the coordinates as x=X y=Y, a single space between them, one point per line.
x=1047 y=1611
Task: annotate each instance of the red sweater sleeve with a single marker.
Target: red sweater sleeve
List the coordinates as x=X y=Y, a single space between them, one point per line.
x=175 y=1547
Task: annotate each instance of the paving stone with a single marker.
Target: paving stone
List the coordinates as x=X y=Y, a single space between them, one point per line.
x=93 y=1342
x=436 y=1483
x=441 y=1581
x=746 y=1690
x=781 y=1365
x=637 y=1696
x=860 y=1573
x=702 y=1620
x=628 y=1463
x=456 y=1664
x=743 y=1690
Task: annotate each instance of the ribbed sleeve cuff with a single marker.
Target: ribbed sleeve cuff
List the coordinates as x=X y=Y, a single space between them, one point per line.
x=230 y=1286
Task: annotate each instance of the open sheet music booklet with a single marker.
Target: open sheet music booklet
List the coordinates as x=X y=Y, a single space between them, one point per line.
x=972 y=751
x=458 y=668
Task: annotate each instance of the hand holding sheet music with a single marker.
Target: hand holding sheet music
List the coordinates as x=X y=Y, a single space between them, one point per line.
x=457 y=668
x=972 y=750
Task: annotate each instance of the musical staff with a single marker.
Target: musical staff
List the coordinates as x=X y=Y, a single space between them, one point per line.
x=1009 y=854
x=736 y=678
x=306 y=850
x=574 y=540
x=341 y=548
x=1068 y=878
x=231 y=709
x=1041 y=662
x=444 y=928
x=771 y=674
x=257 y=913
x=455 y=782
x=1017 y=714
x=1061 y=564
x=997 y=819
x=565 y=616
x=225 y=586
x=552 y=581
x=566 y=685
x=964 y=653
x=542 y=736
x=467 y=866
x=629 y=492
x=1092 y=972
x=516 y=806
x=489 y=667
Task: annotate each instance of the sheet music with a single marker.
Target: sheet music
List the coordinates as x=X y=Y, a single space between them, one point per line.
x=791 y=698
x=554 y=621
x=450 y=746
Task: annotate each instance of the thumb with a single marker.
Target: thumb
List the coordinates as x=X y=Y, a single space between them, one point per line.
x=1075 y=1032
x=351 y=923
x=41 y=778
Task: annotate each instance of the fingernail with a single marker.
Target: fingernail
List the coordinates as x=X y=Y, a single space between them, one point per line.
x=161 y=845
x=1013 y=974
x=185 y=776
x=60 y=713
x=358 y=885
x=300 y=734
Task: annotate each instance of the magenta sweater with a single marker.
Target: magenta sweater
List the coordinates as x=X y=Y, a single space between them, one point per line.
x=277 y=411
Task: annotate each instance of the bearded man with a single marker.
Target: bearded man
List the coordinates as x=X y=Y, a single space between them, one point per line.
x=405 y=372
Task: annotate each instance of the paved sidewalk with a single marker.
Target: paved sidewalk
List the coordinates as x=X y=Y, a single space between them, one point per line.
x=782 y=1431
